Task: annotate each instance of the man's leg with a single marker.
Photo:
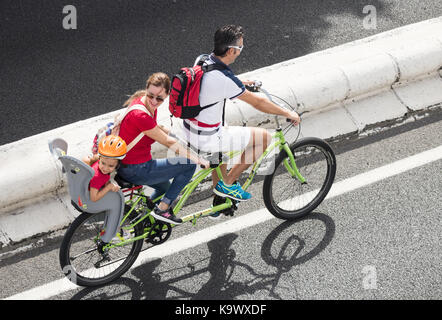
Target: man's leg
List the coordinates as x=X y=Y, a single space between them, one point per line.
x=259 y=141
x=215 y=177
x=253 y=141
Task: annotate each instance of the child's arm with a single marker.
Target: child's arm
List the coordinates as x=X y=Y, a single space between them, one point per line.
x=90 y=160
x=96 y=194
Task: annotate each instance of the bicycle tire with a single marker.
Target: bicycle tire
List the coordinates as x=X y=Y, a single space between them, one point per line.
x=314 y=157
x=77 y=233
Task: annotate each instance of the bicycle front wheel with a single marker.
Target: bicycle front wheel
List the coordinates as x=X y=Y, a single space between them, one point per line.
x=284 y=195
x=85 y=262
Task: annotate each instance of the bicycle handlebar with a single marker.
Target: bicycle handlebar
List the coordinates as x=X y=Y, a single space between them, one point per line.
x=257 y=87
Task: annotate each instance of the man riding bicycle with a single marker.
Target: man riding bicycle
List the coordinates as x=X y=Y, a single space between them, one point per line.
x=208 y=132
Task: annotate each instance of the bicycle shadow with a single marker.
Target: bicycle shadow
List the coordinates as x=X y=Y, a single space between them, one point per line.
x=228 y=278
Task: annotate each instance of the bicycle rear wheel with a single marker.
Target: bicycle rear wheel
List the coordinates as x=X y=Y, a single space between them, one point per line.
x=285 y=196
x=82 y=258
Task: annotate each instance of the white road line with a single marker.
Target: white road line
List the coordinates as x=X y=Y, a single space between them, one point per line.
x=248 y=220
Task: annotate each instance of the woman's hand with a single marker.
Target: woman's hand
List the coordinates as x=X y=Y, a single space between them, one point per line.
x=204 y=163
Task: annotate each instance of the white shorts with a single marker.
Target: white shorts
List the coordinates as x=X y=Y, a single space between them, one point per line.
x=226 y=139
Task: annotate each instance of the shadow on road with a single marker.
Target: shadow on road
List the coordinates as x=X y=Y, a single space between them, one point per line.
x=228 y=278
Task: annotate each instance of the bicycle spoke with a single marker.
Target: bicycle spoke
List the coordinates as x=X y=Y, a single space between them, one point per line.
x=83 y=253
x=83 y=256
x=285 y=196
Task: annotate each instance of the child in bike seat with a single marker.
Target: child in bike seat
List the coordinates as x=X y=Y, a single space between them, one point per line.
x=111 y=149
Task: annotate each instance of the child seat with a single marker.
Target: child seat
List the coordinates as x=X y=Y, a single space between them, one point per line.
x=78 y=176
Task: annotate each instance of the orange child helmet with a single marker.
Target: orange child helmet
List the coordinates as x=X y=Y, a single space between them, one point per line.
x=112 y=147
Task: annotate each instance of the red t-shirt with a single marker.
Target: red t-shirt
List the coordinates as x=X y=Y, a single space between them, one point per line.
x=132 y=125
x=99 y=179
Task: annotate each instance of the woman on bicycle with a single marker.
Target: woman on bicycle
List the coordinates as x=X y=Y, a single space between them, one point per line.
x=138 y=167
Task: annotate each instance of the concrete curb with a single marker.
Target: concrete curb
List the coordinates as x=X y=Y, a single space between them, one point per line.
x=354 y=85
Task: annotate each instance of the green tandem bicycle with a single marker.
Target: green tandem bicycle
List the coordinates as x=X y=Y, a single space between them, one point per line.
x=302 y=173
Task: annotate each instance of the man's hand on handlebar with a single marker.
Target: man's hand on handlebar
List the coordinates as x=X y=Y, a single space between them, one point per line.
x=255 y=85
x=294 y=118
x=252 y=85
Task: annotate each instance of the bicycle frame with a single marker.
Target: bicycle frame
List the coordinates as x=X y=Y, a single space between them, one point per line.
x=279 y=142
x=201 y=175
x=138 y=222
x=197 y=178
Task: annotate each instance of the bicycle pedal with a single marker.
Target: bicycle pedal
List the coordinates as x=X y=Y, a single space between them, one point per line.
x=228 y=212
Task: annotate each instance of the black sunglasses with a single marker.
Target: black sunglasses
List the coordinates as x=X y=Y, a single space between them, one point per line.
x=151 y=97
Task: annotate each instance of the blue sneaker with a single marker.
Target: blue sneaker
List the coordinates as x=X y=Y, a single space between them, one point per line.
x=234 y=191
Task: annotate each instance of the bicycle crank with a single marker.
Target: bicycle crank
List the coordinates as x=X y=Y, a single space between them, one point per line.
x=229 y=211
x=159 y=232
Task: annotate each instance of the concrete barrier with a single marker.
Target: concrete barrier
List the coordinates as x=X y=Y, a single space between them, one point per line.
x=342 y=90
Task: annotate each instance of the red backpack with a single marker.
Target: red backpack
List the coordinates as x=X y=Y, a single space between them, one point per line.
x=184 y=99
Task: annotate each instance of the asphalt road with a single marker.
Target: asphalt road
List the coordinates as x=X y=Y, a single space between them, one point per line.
x=380 y=241
x=51 y=76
